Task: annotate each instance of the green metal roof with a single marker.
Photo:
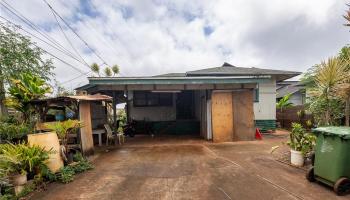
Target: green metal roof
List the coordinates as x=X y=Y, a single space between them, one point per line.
x=230 y=70
x=176 y=80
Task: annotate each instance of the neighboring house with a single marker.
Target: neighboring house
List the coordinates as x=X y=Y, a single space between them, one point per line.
x=295 y=88
x=221 y=104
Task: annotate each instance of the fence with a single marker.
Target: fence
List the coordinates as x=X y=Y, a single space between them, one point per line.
x=290 y=115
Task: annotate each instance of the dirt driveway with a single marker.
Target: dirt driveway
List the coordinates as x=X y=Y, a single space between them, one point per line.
x=190 y=170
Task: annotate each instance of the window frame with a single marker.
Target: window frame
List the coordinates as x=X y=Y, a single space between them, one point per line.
x=158 y=98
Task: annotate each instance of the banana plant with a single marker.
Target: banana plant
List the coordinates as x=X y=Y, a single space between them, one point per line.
x=284 y=102
x=25 y=89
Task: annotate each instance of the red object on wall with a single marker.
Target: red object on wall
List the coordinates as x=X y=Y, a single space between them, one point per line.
x=258 y=135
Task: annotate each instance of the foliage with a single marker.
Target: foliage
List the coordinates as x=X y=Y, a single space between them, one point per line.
x=12 y=132
x=66 y=174
x=95 y=68
x=62 y=91
x=22 y=158
x=319 y=106
x=108 y=71
x=284 y=102
x=323 y=101
x=121 y=114
x=300 y=140
x=309 y=123
x=19 y=55
x=25 y=89
x=64 y=128
x=115 y=70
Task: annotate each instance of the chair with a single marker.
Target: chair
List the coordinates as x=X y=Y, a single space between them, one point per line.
x=111 y=135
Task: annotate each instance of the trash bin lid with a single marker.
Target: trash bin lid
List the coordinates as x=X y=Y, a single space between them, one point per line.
x=340 y=131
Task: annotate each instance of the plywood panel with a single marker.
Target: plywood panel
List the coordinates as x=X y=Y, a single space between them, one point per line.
x=222 y=116
x=243 y=116
x=87 y=143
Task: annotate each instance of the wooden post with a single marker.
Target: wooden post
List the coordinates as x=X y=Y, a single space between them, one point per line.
x=87 y=143
x=114 y=104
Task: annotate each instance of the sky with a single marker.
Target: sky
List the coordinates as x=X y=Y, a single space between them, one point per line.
x=152 y=37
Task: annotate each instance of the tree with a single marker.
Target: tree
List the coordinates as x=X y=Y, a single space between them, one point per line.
x=327 y=76
x=25 y=89
x=115 y=70
x=95 y=68
x=18 y=54
x=343 y=88
x=108 y=71
x=284 y=103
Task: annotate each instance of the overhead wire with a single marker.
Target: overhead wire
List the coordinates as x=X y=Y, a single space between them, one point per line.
x=28 y=22
x=85 y=43
x=33 y=35
x=67 y=39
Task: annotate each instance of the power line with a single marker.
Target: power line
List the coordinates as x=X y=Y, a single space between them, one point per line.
x=33 y=26
x=70 y=43
x=55 y=44
x=70 y=80
x=33 y=35
x=86 y=44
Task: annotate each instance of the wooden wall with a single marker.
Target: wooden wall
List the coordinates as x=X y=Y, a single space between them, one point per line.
x=233 y=115
x=243 y=115
x=222 y=116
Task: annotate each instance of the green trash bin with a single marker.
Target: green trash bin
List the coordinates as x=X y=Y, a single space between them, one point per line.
x=332 y=158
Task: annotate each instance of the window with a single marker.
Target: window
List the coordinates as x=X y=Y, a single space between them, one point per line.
x=256 y=94
x=145 y=98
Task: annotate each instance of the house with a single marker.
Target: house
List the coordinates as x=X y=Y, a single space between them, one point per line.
x=295 y=88
x=222 y=103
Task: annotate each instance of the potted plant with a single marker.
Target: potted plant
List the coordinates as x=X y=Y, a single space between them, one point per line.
x=16 y=161
x=62 y=130
x=300 y=143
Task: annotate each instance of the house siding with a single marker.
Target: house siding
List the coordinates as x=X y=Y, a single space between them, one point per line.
x=156 y=113
x=265 y=108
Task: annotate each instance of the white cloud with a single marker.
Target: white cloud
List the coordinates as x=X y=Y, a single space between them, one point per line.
x=151 y=37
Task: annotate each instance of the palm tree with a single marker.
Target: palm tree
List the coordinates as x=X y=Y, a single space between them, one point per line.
x=108 y=71
x=115 y=70
x=329 y=74
x=95 y=68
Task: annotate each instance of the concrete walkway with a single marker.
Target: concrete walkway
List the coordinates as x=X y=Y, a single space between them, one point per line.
x=190 y=170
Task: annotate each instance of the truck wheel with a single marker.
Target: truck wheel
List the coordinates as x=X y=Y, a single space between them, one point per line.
x=310 y=176
x=342 y=186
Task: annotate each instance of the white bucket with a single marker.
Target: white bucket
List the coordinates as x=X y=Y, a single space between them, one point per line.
x=296 y=158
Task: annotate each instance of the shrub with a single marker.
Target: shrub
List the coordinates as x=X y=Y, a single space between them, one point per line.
x=22 y=158
x=300 y=140
x=12 y=132
x=66 y=174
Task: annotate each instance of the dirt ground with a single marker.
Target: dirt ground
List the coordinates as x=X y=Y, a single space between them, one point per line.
x=182 y=168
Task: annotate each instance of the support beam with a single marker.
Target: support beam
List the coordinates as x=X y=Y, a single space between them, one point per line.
x=87 y=143
x=114 y=105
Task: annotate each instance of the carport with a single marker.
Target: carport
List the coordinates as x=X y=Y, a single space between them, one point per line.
x=217 y=108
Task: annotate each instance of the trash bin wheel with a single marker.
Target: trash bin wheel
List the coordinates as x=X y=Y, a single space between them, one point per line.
x=342 y=186
x=310 y=176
